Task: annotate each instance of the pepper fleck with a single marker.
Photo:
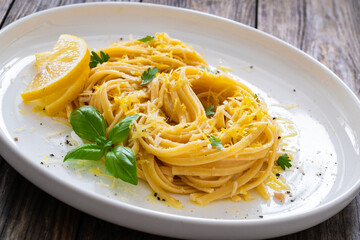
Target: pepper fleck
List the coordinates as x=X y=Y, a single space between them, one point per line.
x=68 y=142
x=51 y=155
x=279 y=137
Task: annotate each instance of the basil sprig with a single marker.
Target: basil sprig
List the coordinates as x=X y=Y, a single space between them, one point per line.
x=89 y=124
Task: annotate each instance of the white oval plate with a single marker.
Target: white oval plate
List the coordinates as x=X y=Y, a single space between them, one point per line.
x=326 y=173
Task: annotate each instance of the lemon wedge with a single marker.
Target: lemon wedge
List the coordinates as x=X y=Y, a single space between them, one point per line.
x=60 y=99
x=59 y=69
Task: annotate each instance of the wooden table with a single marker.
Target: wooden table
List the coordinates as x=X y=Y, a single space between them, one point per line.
x=328 y=30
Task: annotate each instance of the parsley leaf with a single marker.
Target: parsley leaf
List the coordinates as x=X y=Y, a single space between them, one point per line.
x=146 y=39
x=208 y=111
x=96 y=59
x=89 y=124
x=216 y=142
x=148 y=75
x=284 y=161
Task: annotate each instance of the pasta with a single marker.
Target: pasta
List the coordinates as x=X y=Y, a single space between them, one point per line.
x=171 y=137
x=198 y=132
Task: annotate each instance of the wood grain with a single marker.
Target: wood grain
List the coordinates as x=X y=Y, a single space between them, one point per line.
x=28 y=212
x=329 y=30
x=22 y=8
x=4 y=8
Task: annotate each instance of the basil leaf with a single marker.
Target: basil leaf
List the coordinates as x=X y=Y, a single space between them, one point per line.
x=120 y=162
x=87 y=151
x=88 y=123
x=122 y=129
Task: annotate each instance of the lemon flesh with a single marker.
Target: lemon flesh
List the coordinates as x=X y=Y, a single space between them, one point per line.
x=58 y=69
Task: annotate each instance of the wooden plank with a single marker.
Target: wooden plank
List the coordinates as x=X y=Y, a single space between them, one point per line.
x=5 y=5
x=93 y=228
x=330 y=32
x=243 y=11
x=28 y=212
x=22 y=8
